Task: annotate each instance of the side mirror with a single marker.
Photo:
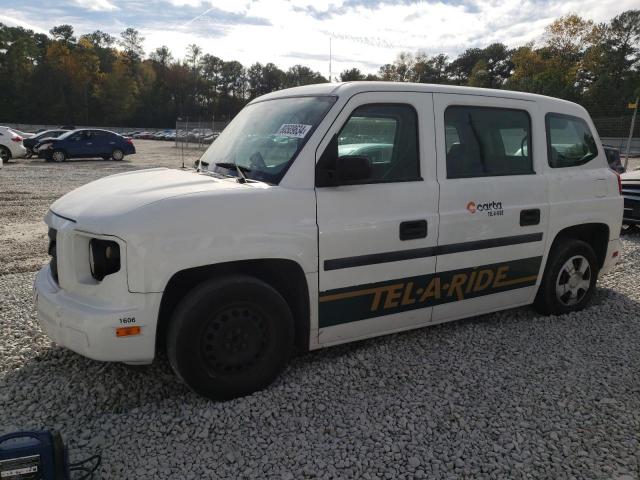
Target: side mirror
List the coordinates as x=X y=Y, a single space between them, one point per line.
x=352 y=169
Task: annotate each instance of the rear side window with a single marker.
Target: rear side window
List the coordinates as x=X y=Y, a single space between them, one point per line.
x=486 y=142
x=387 y=134
x=569 y=141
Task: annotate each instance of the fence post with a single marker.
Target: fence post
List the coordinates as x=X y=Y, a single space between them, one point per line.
x=633 y=123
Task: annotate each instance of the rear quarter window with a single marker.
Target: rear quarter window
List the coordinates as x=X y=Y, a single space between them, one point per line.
x=569 y=141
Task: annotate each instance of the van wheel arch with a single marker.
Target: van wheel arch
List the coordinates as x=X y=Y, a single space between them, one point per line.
x=285 y=276
x=595 y=234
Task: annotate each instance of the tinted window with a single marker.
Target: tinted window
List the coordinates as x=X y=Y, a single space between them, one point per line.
x=76 y=136
x=388 y=136
x=569 y=141
x=485 y=142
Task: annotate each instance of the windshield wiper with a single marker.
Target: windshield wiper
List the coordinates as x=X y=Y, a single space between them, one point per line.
x=240 y=169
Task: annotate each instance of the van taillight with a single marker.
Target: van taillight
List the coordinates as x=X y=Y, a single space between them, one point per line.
x=619 y=182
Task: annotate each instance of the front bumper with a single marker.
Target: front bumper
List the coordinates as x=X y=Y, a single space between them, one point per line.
x=90 y=330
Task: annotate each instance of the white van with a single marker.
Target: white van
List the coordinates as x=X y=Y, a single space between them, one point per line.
x=330 y=213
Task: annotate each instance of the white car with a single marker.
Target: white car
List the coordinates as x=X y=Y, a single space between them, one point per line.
x=10 y=145
x=333 y=213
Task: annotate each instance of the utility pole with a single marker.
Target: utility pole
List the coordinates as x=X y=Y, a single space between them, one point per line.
x=330 y=72
x=633 y=123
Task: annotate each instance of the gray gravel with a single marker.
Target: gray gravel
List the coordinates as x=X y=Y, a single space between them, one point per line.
x=507 y=395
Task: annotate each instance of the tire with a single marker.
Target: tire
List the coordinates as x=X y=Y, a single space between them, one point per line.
x=58 y=156
x=117 y=154
x=5 y=154
x=230 y=337
x=561 y=291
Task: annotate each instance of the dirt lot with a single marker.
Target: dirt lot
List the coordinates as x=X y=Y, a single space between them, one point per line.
x=29 y=186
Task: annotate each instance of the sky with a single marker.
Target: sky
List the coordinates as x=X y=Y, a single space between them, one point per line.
x=364 y=33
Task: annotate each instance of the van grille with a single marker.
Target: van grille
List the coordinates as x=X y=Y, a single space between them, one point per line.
x=53 y=252
x=631 y=193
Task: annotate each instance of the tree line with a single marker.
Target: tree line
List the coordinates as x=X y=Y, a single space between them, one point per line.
x=98 y=79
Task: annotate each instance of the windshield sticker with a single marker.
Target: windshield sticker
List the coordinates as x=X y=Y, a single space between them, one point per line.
x=295 y=130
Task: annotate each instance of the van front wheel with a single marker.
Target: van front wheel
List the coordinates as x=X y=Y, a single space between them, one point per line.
x=230 y=337
x=569 y=279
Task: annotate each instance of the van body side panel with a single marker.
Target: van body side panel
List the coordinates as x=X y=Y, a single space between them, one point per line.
x=360 y=232
x=484 y=207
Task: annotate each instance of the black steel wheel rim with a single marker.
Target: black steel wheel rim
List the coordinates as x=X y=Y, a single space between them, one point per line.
x=234 y=339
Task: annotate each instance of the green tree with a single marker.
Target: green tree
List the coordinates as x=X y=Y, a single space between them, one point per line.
x=63 y=33
x=131 y=42
x=352 y=75
x=300 y=75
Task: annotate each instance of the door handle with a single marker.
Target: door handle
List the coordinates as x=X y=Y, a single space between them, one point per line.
x=530 y=217
x=89 y=143
x=413 y=229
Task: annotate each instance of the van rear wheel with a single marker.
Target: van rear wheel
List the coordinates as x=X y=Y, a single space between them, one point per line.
x=230 y=337
x=569 y=279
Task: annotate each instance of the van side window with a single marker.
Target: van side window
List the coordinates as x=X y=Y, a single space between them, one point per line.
x=486 y=142
x=387 y=134
x=569 y=141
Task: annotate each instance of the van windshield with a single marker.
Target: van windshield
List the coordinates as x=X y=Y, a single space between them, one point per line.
x=265 y=137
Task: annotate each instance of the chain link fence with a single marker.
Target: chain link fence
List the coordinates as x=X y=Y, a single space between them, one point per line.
x=613 y=123
x=192 y=138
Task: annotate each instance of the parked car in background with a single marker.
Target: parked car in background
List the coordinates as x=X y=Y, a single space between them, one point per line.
x=613 y=158
x=631 y=193
x=31 y=142
x=158 y=135
x=21 y=133
x=10 y=145
x=87 y=143
x=131 y=133
x=143 y=135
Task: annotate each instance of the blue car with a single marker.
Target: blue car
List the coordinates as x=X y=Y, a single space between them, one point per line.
x=87 y=143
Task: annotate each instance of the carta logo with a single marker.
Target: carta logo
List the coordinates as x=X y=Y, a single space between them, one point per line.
x=492 y=208
x=486 y=207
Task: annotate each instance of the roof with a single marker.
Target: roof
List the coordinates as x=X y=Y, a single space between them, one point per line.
x=350 y=88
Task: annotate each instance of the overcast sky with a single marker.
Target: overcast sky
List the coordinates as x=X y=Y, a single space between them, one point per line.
x=365 y=33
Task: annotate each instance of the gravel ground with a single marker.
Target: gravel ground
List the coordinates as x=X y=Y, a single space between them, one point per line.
x=507 y=395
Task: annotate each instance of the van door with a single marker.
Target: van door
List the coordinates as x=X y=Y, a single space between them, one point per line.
x=377 y=234
x=493 y=203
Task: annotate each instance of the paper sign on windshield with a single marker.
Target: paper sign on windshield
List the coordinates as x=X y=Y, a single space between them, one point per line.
x=296 y=130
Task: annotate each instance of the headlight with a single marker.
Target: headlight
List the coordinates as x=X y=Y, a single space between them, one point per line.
x=104 y=258
x=45 y=146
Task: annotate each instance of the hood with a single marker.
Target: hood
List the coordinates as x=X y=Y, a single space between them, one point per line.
x=633 y=175
x=112 y=196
